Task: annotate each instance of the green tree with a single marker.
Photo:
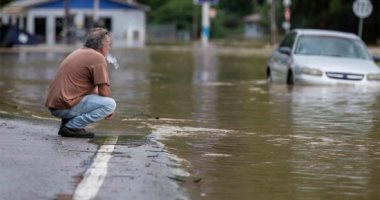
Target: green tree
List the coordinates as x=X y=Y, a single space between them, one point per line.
x=324 y=14
x=229 y=19
x=335 y=15
x=179 y=12
x=239 y=8
x=171 y=11
x=4 y=2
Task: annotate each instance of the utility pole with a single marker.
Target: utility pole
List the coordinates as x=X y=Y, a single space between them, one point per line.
x=287 y=13
x=205 y=23
x=195 y=22
x=95 y=16
x=205 y=32
x=66 y=22
x=273 y=26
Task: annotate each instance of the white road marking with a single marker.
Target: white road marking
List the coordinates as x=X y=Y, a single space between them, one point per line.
x=96 y=173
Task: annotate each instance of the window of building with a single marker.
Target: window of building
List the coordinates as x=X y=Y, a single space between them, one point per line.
x=40 y=28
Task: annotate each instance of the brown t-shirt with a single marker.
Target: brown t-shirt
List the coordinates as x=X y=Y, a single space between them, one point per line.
x=78 y=75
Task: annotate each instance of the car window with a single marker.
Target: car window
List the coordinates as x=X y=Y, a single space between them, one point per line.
x=331 y=46
x=288 y=41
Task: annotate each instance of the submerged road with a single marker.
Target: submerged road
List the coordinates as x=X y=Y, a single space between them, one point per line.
x=36 y=163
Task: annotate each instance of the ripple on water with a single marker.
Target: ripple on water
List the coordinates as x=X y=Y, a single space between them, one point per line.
x=161 y=132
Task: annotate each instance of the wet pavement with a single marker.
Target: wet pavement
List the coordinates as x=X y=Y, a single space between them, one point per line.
x=220 y=130
x=36 y=164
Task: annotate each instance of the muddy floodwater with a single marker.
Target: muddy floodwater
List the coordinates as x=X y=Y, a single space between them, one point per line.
x=230 y=134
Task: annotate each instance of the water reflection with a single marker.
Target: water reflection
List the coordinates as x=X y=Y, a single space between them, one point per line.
x=333 y=109
x=24 y=79
x=332 y=147
x=205 y=66
x=206 y=69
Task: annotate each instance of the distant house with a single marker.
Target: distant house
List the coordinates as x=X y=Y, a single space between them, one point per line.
x=253 y=27
x=126 y=20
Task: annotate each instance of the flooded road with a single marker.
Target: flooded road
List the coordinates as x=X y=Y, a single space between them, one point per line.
x=231 y=135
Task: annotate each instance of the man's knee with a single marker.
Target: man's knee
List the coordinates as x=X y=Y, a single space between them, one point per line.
x=110 y=105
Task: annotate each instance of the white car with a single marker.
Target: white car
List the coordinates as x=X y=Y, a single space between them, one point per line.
x=322 y=57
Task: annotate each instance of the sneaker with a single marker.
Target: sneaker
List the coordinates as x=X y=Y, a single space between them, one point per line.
x=63 y=123
x=78 y=133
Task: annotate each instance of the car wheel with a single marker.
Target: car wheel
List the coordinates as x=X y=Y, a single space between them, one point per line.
x=269 y=75
x=290 y=78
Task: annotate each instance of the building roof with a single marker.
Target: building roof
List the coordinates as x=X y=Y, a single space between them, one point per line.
x=16 y=7
x=21 y=6
x=253 y=18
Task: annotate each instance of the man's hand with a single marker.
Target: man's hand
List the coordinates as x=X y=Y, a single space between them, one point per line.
x=104 y=90
x=111 y=116
x=96 y=91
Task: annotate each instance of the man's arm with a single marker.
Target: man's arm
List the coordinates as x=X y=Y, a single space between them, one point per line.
x=105 y=91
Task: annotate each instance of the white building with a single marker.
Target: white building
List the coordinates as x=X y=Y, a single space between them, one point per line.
x=125 y=20
x=253 y=26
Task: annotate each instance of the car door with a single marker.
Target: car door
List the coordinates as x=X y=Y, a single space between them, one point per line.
x=281 y=58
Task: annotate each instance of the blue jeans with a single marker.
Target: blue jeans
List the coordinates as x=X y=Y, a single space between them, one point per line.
x=90 y=109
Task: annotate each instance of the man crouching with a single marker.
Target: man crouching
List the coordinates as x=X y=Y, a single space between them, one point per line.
x=80 y=92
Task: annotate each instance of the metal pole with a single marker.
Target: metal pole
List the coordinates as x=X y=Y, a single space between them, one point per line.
x=360 y=27
x=273 y=22
x=66 y=22
x=287 y=15
x=205 y=23
x=96 y=12
x=194 y=24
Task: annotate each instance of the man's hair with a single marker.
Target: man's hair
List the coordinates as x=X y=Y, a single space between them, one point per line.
x=94 y=39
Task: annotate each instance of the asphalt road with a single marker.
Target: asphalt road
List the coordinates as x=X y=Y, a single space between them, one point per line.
x=36 y=163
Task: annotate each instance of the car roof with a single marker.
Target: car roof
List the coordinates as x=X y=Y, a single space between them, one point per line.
x=326 y=33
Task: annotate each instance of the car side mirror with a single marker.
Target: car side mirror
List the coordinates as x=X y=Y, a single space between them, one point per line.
x=376 y=58
x=285 y=50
